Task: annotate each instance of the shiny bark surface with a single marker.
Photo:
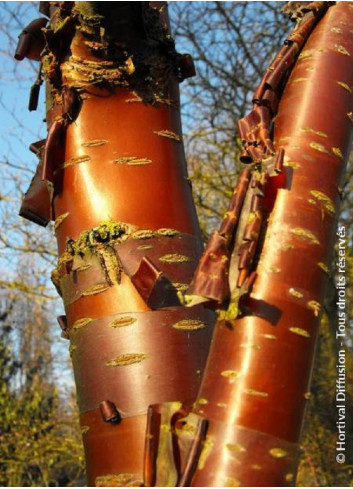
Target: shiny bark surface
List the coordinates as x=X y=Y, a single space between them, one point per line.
x=256 y=383
x=112 y=175
x=113 y=178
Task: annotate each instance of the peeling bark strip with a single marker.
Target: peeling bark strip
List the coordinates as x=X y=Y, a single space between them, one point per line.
x=121 y=269
x=247 y=403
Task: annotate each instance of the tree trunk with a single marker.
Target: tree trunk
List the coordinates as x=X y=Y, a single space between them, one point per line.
x=125 y=222
x=256 y=383
x=114 y=172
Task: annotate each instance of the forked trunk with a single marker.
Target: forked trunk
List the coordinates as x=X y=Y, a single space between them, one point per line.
x=117 y=187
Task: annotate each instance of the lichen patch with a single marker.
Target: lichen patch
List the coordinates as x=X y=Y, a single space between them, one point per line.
x=167 y=232
x=202 y=401
x=132 y=161
x=116 y=480
x=168 y=134
x=93 y=143
x=305 y=234
x=142 y=234
x=318 y=147
x=231 y=375
x=95 y=289
x=295 y=293
x=277 y=452
x=300 y=332
x=253 y=392
x=292 y=164
x=60 y=219
x=337 y=152
x=324 y=267
x=235 y=447
x=122 y=322
x=84 y=429
x=174 y=258
x=189 y=325
x=345 y=86
x=315 y=307
x=126 y=359
x=81 y=323
x=341 y=49
x=313 y=131
x=207 y=446
x=231 y=482
x=75 y=161
x=324 y=200
x=254 y=346
x=269 y=336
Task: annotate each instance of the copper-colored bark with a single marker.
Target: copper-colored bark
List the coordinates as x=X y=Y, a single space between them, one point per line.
x=114 y=179
x=256 y=383
x=111 y=174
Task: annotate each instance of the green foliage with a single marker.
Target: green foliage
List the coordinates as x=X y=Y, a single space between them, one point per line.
x=40 y=443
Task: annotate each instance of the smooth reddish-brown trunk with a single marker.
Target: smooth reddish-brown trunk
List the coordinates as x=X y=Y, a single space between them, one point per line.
x=257 y=380
x=125 y=222
x=113 y=173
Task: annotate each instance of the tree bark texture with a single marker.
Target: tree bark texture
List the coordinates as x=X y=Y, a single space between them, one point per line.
x=113 y=172
x=112 y=175
x=256 y=383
